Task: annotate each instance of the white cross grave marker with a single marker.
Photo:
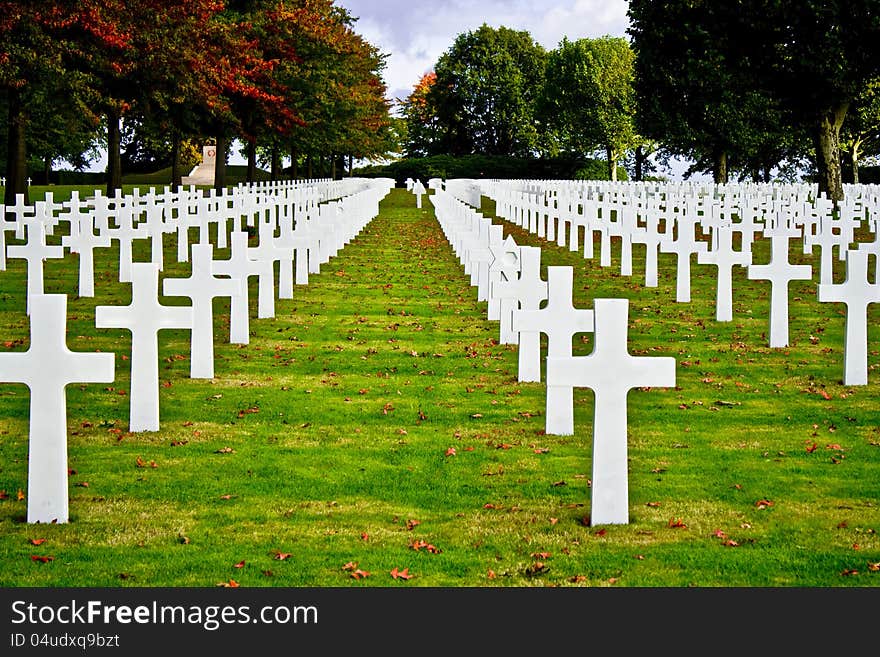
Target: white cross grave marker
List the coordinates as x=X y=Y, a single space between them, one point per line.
x=202 y=287
x=560 y=321
x=779 y=271
x=144 y=317
x=5 y=225
x=83 y=241
x=857 y=293
x=35 y=251
x=724 y=257
x=684 y=245
x=523 y=292
x=47 y=367
x=504 y=267
x=239 y=267
x=611 y=372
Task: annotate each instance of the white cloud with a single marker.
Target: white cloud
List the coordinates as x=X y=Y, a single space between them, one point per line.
x=415 y=33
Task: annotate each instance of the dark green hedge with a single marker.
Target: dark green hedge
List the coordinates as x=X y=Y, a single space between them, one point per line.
x=486 y=166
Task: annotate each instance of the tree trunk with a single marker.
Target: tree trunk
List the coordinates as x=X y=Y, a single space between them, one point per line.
x=47 y=168
x=827 y=152
x=719 y=166
x=332 y=166
x=251 y=161
x=640 y=164
x=16 y=154
x=176 y=173
x=612 y=164
x=350 y=165
x=220 y=165
x=114 y=160
x=275 y=169
x=309 y=166
x=294 y=163
x=854 y=158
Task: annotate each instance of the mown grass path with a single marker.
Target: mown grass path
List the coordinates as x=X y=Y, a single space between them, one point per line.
x=375 y=424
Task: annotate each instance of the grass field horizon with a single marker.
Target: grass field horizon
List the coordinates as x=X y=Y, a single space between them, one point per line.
x=374 y=433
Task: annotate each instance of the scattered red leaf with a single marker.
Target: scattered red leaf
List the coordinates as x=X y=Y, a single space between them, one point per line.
x=231 y=584
x=37 y=541
x=719 y=534
x=365 y=536
x=730 y=543
x=553 y=521
x=677 y=523
x=82 y=484
x=240 y=564
x=874 y=567
x=600 y=532
x=411 y=524
x=450 y=451
x=653 y=504
x=536 y=568
x=360 y=574
x=849 y=572
x=541 y=555
x=20 y=495
x=225 y=450
x=4 y=495
x=763 y=504
x=42 y=559
x=226 y=497
x=401 y=574
x=577 y=579
x=811 y=448
x=490 y=574
x=419 y=544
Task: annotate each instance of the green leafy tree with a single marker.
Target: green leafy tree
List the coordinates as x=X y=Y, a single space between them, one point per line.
x=588 y=96
x=694 y=91
x=732 y=77
x=817 y=57
x=420 y=117
x=860 y=132
x=486 y=90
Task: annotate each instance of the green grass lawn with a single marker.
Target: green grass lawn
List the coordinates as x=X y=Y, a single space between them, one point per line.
x=376 y=424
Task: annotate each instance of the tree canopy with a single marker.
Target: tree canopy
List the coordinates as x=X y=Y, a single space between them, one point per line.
x=272 y=73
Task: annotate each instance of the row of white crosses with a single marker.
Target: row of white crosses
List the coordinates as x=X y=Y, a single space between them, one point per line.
x=610 y=371
x=666 y=219
x=48 y=366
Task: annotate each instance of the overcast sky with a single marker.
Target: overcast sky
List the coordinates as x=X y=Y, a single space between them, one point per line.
x=414 y=33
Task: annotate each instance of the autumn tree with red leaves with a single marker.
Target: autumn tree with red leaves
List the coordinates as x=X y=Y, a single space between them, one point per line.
x=273 y=73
